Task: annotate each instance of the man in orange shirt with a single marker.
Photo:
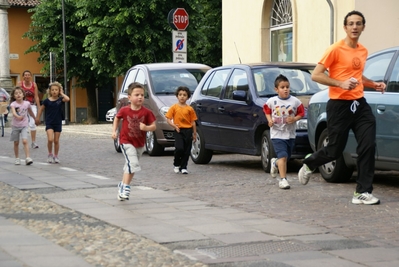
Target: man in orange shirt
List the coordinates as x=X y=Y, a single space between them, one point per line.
x=345 y=61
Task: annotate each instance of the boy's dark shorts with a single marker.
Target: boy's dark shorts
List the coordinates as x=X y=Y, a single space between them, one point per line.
x=55 y=127
x=283 y=147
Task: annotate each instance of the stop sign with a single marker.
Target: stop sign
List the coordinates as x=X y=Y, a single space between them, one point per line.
x=180 y=19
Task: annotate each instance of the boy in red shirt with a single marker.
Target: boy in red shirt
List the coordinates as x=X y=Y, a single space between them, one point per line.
x=137 y=120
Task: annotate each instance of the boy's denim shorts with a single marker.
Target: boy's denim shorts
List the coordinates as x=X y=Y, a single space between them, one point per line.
x=283 y=147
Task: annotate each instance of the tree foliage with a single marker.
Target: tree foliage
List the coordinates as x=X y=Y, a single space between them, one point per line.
x=127 y=32
x=205 y=32
x=46 y=30
x=105 y=38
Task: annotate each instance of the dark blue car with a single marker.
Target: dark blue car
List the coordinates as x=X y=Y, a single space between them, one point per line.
x=229 y=105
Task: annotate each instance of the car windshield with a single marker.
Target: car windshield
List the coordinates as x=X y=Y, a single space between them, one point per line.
x=167 y=81
x=299 y=78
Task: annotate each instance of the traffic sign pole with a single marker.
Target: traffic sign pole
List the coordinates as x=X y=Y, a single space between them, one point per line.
x=178 y=20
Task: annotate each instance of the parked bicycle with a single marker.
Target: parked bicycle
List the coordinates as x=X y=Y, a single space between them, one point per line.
x=3 y=111
x=4 y=98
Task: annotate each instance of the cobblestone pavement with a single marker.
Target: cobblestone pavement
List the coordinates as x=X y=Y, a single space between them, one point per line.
x=238 y=181
x=100 y=244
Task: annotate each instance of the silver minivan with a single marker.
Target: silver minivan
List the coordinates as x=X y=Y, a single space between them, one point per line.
x=160 y=82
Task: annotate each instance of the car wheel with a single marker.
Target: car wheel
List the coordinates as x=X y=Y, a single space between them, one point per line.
x=335 y=171
x=152 y=146
x=267 y=151
x=117 y=143
x=199 y=154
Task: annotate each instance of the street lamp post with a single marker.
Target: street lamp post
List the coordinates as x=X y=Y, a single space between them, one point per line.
x=65 y=64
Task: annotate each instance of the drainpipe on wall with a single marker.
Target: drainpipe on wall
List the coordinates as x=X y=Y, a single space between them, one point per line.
x=331 y=21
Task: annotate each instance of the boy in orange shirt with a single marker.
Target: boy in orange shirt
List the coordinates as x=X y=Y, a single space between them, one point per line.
x=182 y=118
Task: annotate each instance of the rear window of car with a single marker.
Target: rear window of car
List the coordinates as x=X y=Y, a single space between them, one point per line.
x=167 y=81
x=129 y=79
x=300 y=81
x=376 y=67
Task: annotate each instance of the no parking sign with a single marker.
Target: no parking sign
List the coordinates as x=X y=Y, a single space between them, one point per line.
x=179 y=41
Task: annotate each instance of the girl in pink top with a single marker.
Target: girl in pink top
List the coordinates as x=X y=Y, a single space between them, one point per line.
x=20 y=110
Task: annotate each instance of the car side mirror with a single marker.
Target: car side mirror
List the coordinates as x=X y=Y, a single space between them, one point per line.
x=240 y=95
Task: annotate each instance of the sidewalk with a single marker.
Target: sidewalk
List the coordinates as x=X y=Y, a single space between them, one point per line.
x=78 y=218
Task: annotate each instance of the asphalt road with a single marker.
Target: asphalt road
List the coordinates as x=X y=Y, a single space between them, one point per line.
x=238 y=181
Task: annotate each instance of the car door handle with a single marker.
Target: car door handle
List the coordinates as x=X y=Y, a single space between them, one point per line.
x=221 y=109
x=381 y=107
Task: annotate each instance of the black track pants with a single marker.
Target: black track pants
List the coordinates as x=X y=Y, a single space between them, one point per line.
x=183 y=144
x=342 y=116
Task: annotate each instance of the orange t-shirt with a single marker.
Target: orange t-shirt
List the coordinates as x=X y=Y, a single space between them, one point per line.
x=182 y=116
x=344 y=62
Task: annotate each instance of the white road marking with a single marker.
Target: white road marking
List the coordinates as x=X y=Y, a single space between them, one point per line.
x=68 y=169
x=85 y=130
x=143 y=188
x=98 y=176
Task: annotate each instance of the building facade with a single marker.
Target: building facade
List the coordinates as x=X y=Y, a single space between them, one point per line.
x=300 y=30
x=18 y=24
x=15 y=21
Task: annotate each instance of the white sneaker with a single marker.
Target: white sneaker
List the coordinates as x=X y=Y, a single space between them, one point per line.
x=28 y=161
x=283 y=184
x=304 y=173
x=273 y=168
x=120 y=191
x=56 y=160
x=50 y=158
x=176 y=169
x=34 y=145
x=184 y=171
x=365 y=198
x=124 y=193
x=17 y=161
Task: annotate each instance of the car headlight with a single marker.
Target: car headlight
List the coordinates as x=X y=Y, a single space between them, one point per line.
x=302 y=124
x=163 y=111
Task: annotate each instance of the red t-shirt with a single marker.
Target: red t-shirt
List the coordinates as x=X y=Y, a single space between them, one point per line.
x=29 y=92
x=131 y=133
